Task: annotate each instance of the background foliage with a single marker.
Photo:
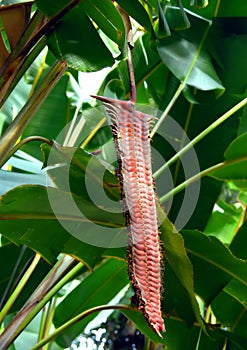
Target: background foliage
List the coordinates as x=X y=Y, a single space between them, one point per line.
x=190 y=62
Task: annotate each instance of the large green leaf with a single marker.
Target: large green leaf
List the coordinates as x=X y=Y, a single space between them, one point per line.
x=236 y=163
x=99 y=288
x=231 y=313
x=108 y=18
x=50 y=119
x=202 y=76
x=72 y=39
x=60 y=213
x=78 y=169
x=176 y=256
x=33 y=223
x=214 y=264
x=224 y=8
x=50 y=9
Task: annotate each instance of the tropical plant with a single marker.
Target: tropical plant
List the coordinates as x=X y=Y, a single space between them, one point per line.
x=63 y=237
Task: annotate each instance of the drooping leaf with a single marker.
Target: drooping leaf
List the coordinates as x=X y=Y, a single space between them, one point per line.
x=176 y=256
x=202 y=76
x=72 y=39
x=35 y=223
x=108 y=18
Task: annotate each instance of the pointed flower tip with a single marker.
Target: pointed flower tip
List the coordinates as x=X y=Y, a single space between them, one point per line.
x=103 y=99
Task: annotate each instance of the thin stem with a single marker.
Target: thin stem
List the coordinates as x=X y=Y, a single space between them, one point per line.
x=199 y=339
x=93 y=132
x=182 y=85
x=76 y=319
x=25 y=141
x=196 y=177
x=19 y=287
x=53 y=291
x=189 y=181
x=42 y=324
x=17 y=264
x=129 y=39
x=167 y=110
x=16 y=71
x=39 y=73
x=199 y=137
x=216 y=8
x=48 y=320
x=54 y=280
x=16 y=128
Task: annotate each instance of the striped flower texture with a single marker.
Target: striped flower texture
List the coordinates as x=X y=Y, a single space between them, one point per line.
x=131 y=134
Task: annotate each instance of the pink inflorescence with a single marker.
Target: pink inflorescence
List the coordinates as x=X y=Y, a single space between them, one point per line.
x=131 y=133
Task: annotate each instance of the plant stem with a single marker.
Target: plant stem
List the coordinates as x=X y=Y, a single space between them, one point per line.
x=182 y=85
x=76 y=319
x=196 y=177
x=19 y=287
x=189 y=181
x=13 y=273
x=54 y=281
x=199 y=137
x=23 y=142
x=16 y=128
x=16 y=71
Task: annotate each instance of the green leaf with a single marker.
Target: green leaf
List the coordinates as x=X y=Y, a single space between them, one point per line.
x=205 y=11
x=203 y=75
x=222 y=9
x=50 y=119
x=236 y=149
x=176 y=256
x=51 y=8
x=145 y=61
x=98 y=288
x=72 y=39
x=224 y=222
x=161 y=26
x=33 y=222
x=214 y=264
x=177 y=18
x=108 y=18
x=238 y=245
x=137 y=11
x=230 y=9
x=79 y=169
x=235 y=167
x=230 y=313
x=238 y=291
